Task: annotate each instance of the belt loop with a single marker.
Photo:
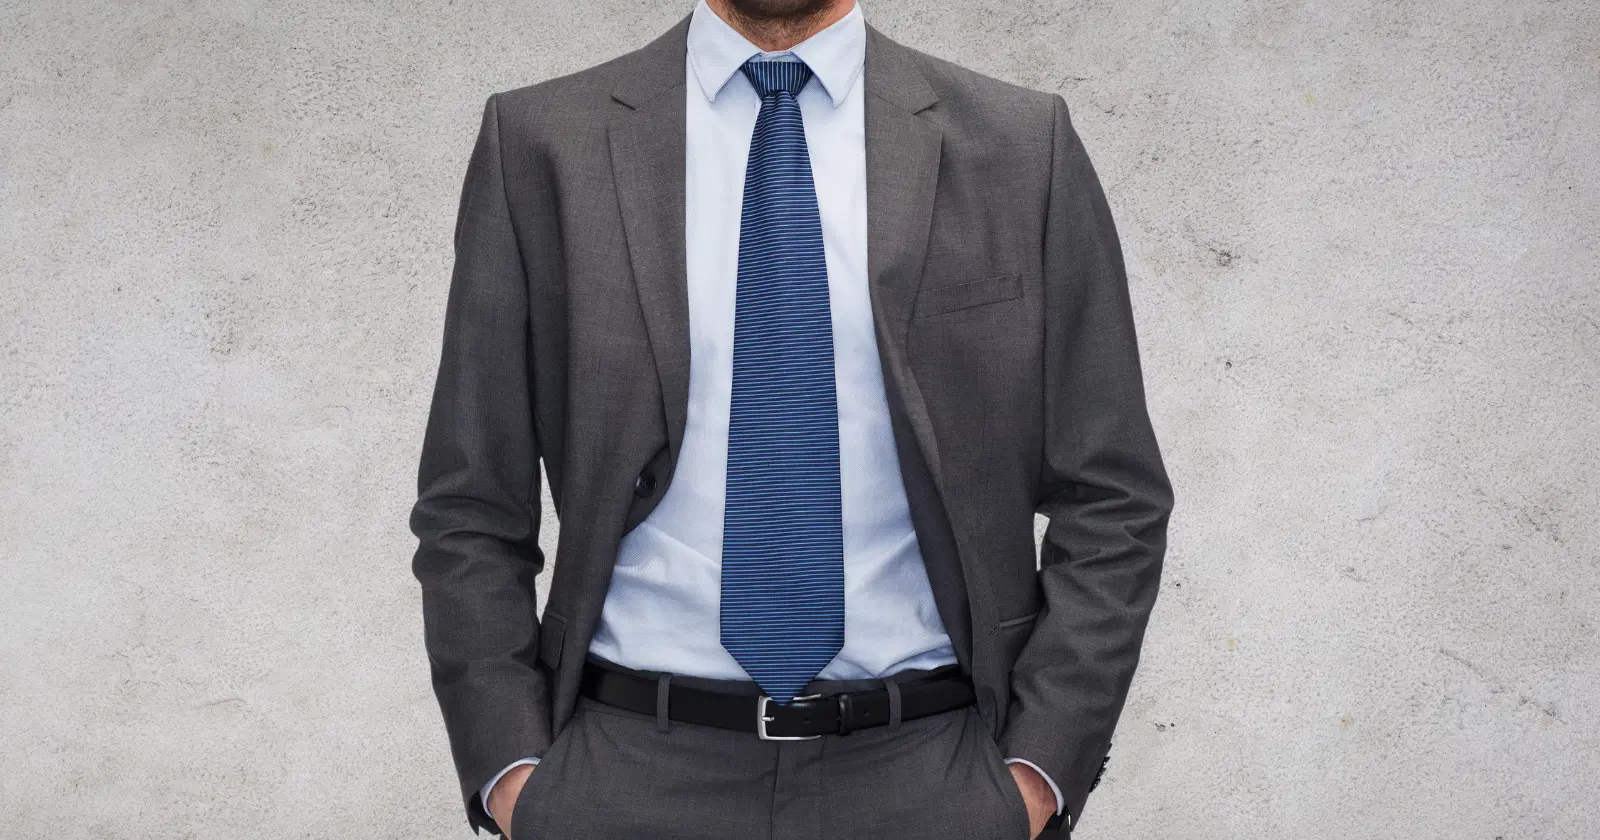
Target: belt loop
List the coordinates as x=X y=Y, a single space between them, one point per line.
x=663 y=685
x=893 y=688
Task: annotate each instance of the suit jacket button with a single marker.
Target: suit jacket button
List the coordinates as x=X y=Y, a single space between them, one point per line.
x=645 y=484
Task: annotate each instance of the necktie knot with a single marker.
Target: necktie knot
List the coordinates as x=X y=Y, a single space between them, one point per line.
x=769 y=77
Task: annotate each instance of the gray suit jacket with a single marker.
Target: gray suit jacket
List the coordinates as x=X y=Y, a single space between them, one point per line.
x=1009 y=359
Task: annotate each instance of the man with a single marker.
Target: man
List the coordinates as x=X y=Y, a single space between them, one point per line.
x=806 y=326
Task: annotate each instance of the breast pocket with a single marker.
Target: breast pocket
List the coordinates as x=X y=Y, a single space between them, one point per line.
x=938 y=300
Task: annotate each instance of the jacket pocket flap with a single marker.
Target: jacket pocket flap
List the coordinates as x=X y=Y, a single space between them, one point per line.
x=937 y=300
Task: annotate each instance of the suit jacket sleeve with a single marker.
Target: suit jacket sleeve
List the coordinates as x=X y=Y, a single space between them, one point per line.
x=477 y=511
x=1102 y=486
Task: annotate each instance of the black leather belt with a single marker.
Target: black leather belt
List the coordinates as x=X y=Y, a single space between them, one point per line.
x=806 y=717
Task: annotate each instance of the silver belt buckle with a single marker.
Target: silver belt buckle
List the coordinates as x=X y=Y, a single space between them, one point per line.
x=762 y=720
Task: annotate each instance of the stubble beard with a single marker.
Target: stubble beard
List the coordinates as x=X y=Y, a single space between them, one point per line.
x=779 y=17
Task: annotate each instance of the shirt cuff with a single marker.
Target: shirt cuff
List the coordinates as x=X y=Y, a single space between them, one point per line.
x=484 y=794
x=1061 y=802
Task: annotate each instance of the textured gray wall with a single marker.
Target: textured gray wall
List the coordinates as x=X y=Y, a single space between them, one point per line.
x=1363 y=242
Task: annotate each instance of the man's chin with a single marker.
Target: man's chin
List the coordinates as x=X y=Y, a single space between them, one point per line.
x=779 y=10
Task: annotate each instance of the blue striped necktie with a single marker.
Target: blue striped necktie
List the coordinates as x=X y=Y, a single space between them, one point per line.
x=783 y=536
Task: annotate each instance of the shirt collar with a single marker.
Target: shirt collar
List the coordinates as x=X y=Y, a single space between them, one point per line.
x=835 y=54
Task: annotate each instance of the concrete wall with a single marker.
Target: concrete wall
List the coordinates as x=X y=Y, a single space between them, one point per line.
x=1363 y=242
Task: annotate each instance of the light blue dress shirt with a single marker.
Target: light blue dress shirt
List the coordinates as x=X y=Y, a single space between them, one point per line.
x=662 y=609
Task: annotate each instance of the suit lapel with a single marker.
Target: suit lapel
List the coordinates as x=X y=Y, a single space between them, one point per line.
x=903 y=158
x=647 y=164
x=902 y=176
